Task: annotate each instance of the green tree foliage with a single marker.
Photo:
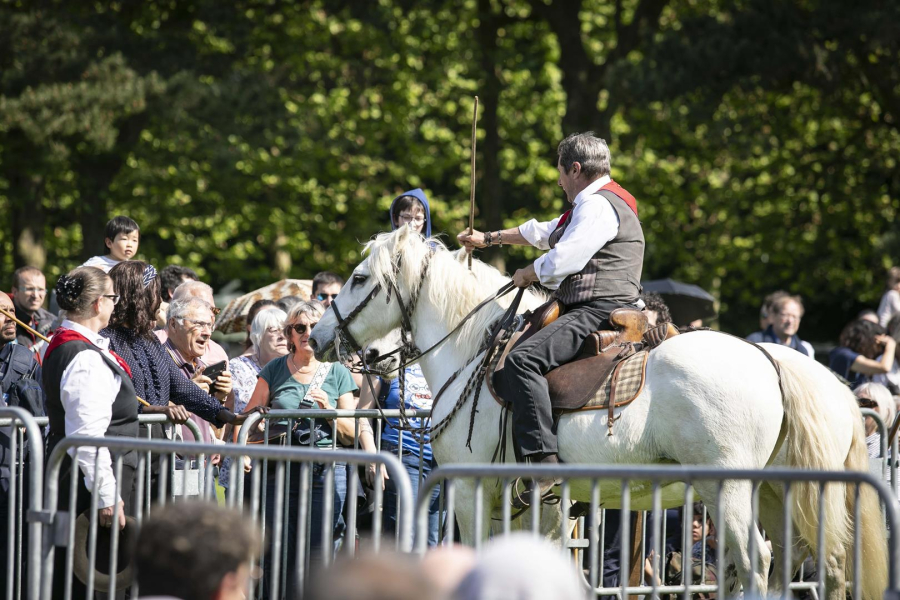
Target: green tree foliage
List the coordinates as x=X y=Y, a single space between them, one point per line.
x=259 y=139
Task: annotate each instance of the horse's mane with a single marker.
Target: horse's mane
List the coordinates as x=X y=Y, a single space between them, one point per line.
x=453 y=289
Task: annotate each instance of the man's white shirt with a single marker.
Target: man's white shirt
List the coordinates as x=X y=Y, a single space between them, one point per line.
x=88 y=389
x=592 y=224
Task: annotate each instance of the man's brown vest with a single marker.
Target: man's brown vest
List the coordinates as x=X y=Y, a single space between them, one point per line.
x=614 y=272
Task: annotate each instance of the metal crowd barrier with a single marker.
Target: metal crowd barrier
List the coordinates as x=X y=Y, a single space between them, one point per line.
x=277 y=573
x=256 y=420
x=22 y=432
x=20 y=429
x=485 y=477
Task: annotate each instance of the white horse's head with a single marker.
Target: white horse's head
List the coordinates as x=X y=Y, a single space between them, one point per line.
x=368 y=301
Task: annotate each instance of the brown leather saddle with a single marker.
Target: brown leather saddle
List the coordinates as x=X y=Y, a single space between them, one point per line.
x=610 y=369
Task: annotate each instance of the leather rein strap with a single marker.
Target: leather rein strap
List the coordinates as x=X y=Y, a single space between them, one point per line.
x=407 y=351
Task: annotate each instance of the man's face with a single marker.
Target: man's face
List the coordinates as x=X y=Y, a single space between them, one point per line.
x=652 y=316
x=191 y=334
x=568 y=181
x=125 y=246
x=7 y=325
x=31 y=291
x=326 y=293
x=786 y=322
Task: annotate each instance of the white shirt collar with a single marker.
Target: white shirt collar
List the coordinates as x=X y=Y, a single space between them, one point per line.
x=93 y=337
x=591 y=189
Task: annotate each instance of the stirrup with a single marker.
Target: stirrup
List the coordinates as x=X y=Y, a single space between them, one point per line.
x=521 y=498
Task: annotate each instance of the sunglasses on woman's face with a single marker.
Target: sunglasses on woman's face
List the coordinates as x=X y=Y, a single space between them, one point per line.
x=866 y=403
x=301 y=328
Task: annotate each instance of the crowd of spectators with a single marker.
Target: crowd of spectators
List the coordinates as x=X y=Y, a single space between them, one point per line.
x=130 y=340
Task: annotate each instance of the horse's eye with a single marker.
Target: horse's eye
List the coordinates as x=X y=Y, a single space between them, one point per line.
x=359 y=279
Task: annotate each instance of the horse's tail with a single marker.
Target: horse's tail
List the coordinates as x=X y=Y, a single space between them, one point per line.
x=809 y=445
x=873 y=540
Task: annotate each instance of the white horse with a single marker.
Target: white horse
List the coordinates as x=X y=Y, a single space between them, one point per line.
x=709 y=399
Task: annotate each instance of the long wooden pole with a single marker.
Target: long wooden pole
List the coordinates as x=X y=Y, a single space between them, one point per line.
x=28 y=327
x=46 y=339
x=472 y=178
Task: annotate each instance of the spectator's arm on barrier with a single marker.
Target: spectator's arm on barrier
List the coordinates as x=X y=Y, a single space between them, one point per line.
x=177 y=414
x=346 y=428
x=260 y=398
x=367 y=397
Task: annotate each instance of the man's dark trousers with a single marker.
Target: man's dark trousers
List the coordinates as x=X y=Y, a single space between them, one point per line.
x=522 y=381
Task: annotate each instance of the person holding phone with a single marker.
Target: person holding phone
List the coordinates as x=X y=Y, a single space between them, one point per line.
x=295 y=381
x=189 y=324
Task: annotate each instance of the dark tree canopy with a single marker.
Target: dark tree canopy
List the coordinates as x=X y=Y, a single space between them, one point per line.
x=259 y=139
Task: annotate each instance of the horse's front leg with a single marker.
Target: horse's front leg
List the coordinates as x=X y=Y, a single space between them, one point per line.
x=464 y=506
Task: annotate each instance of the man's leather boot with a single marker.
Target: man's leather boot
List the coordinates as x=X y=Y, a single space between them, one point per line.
x=521 y=498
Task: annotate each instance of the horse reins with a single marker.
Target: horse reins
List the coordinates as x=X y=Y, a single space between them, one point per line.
x=408 y=353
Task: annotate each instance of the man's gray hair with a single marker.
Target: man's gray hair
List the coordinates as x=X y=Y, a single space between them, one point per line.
x=192 y=288
x=588 y=150
x=269 y=316
x=180 y=308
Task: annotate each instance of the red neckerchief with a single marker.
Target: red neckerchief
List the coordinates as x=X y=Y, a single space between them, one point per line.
x=616 y=189
x=69 y=335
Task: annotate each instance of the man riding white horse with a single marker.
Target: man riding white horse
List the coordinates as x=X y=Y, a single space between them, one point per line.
x=596 y=252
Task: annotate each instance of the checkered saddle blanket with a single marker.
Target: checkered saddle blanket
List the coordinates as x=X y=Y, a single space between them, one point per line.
x=621 y=386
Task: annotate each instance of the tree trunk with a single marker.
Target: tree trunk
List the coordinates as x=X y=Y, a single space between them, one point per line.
x=96 y=173
x=28 y=220
x=490 y=197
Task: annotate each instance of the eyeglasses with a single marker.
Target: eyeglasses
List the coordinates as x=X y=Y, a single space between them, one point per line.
x=321 y=297
x=301 y=328
x=417 y=219
x=113 y=297
x=33 y=290
x=201 y=325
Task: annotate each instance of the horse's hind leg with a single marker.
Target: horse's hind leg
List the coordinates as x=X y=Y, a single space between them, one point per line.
x=738 y=514
x=771 y=515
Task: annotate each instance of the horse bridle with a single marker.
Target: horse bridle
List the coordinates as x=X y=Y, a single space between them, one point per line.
x=407 y=351
x=343 y=337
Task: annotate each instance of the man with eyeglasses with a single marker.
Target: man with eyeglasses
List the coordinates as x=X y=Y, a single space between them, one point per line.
x=29 y=290
x=189 y=324
x=325 y=287
x=197 y=289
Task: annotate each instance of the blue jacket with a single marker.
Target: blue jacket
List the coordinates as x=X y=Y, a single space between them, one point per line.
x=420 y=195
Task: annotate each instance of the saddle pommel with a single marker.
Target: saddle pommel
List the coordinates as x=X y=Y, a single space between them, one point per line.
x=547 y=313
x=630 y=323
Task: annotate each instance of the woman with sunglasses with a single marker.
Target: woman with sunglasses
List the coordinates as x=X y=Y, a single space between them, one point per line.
x=89 y=393
x=267 y=342
x=295 y=381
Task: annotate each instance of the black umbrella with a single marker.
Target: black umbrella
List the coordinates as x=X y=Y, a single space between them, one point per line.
x=686 y=302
